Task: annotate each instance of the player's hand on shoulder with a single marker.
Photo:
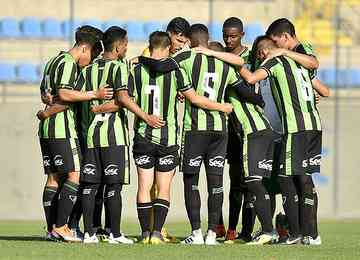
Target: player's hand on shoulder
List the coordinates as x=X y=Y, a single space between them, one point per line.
x=154 y=121
x=204 y=50
x=276 y=53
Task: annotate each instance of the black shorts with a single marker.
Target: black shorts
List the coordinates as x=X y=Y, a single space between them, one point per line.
x=199 y=146
x=271 y=184
x=301 y=153
x=258 y=153
x=106 y=165
x=60 y=155
x=148 y=155
x=234 y=145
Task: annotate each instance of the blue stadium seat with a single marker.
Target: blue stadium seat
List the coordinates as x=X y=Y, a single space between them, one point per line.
x=93 y=22
x=252 y=31
x=52 y=29
x=354 y=77
x=27 y=73
x=7 y=72
x=107 y=24
x=152 y=26
x=9 y=28
x=327 y=75
x=215 y=30
x=136 y=31
x=31 y=27
x=66 y=27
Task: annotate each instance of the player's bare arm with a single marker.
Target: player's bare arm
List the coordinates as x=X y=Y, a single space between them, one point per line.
x=205 y=103
x=224 y=56
x=51 y=110
x=122 y=98
x=305 y=60
x=107 y=107
x=253 y=77
x=69 y=95
x=320 y=88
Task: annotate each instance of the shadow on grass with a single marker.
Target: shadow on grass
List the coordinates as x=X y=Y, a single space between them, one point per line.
x=22 y=238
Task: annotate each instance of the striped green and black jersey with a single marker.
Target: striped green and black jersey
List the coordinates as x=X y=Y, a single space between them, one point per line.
x=106 y=129
x=306 y=48
x=293 y=94
x=60 y=72
x=209 y=77
x=155 y=93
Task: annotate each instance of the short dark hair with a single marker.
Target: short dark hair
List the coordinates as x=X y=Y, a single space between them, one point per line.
x=179 y=25
x=112 y=35
x=159 y=39
x=233 y=22
x=88 y=34
x=280 y=26
x=216 y=46
x=199 y=33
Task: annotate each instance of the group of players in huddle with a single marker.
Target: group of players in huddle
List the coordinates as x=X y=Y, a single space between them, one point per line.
x=84 y=134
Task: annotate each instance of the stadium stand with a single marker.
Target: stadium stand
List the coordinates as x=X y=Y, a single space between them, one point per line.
x=52 y=29
x=252 y=31
x=10 y=28
x=66 y=27
x=152 y=26
x=110 y=23
x=7 y=72
x=136 y=31
x=215 y=30
x=27 y=73
x=31 y=28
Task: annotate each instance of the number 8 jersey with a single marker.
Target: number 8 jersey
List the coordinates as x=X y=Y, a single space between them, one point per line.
x=293 y=94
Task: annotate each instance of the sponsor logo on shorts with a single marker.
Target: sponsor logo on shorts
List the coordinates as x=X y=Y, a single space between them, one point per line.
x=217 y=161
x=265 y=165
x=167 y=160
x=313 y=161
x=46 y=160
x=110 y=194
x=142 y=160
x=47 y=203
x=58 y=160
x=86 y=191
x=89 y=169
x=195 y=162
x=111 y=170
x=73 y=198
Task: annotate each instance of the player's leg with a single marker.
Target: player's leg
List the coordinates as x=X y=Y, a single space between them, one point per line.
x=192 y=157
x=214 y=167
x=67 y=160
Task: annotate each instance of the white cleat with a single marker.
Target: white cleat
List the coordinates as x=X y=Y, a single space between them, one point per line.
x=211 y=238
x=263 y=239
x=90 y=239
x=196 y=238
x=119 y=240
x=308 y=240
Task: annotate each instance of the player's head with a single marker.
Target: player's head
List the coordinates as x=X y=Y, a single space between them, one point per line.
x=116 y=41
x=179 y=30
x=160 y=41
x=199 y=35
x=262 y=46
x=87 y=40
x=216 y=46
x=282 y=32
x=233 y=31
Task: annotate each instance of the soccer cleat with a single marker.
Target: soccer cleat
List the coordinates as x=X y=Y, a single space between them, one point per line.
x=230 y=237
x=292 y=240
x=244 y=238
x=167 y=237
x=50 y=236
x=66 y=234
x=263 y=239
x=119 y=240
x=103 y=234
x=196 y=238
x=77 y=233
x=90 y=239
x=211 y=238
x=156 y=238
x=309 y=241
x=145 y=238
x=220 y=231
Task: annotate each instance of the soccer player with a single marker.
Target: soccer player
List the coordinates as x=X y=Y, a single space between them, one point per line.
x=156 y=150
x=301 y=142
x=58 y=137
x=282 y=32
x=232 y=35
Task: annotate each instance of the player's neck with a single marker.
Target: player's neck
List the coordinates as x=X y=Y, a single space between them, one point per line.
x=158 y=54
x=239 y=49
x=109 y=56
x=75 y=53
x=293 y=43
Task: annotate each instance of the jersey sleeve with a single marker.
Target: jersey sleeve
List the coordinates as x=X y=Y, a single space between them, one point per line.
x=66 y=75
x=81 y=81
x=182 y=80
x=120 y=77
x=270 y=66
x=234 y=78
x=131 y=88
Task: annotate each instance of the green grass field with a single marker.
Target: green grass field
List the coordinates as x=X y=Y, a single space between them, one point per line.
x=24 y=240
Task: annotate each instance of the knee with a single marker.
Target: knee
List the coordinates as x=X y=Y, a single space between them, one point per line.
x=74 y=177
x=52 y=180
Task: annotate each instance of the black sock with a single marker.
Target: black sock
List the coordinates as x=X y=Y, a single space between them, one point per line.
x=305 y=186
x=261 y=201
x=49 y=202
x=144 y=212
x=248 y=216
x=215 y=199
x=316 y=204
x=290 y=203
x=88 y=204
x=192 y=199
x=161 y=208
x=235 y=203
x=76 y=213
x=67 y=199
x=273 y=204
x=114 y=204
x=99 y=201
x=221 y=219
